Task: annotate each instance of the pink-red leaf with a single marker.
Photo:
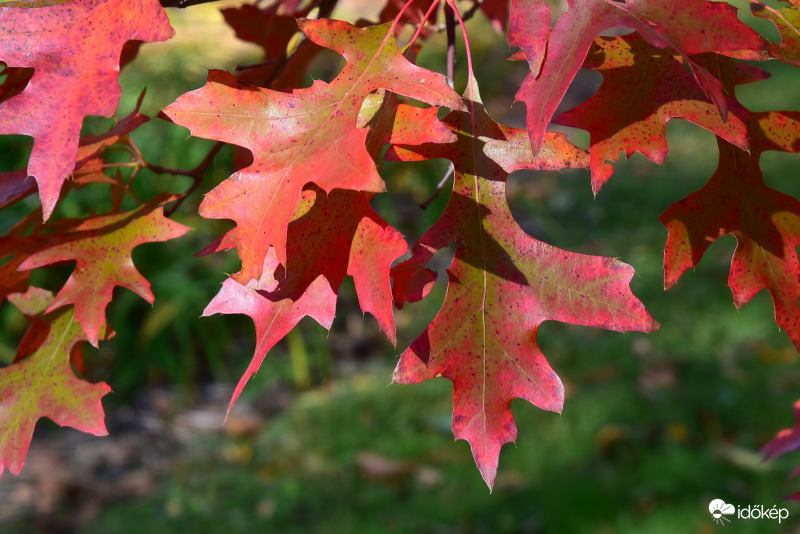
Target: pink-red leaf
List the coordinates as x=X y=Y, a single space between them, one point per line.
x=690 y=27
x=273 y=318
x=102 y=247
x=74 y=48
x=330 y=236
x=308 y=135
x=787 y=20
x=503 y=284
x=643 y=88
x=43 y=385
x=765 y=222
x=784 y=442
x=16 y=185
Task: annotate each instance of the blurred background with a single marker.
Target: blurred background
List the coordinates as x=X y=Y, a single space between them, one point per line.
x=655 y=425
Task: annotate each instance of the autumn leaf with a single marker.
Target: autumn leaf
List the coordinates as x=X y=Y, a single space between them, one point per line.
x=392 y=122
x=502 y=285
x=15 y=81
x=308 y=135
x=14 y=186
x=74 y=48
x=529 y=29
x=330 y=236
x=89 y=164
x=273 y=320
x=690 y=27
x=765 y=222
x=43 y=385
x=643 y=88
x=497 y=13
x=787 y=20
x=101 y=247
x=22 y=240
x=271 y=28
x=784 y=442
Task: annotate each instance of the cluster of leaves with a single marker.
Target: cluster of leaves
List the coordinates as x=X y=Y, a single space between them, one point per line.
x=302 y=213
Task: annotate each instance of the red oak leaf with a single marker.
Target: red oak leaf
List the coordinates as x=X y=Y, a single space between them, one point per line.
x=102 y=247
x=784 y=442
x=272 y=29
x=43 y=385
x=15 y=81
x=765 y=222
x=497 y=13
x=643 y=88
x=529 y=29
x=330 y=236
x=787 y=20
x=503 y=284
x=391 y=122
x=23 y=239
x=273 y=319
x=690 y=27
x=16 y=185
x=308 y=135
x=74 y=48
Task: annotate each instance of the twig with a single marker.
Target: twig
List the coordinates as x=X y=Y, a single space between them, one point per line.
x=450 y=21
x=240 y=68
x=184 y=3
x=196 y=174
x=439 y=188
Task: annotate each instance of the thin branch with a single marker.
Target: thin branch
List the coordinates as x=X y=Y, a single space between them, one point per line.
x=439 y=188
x=184 y=3
x=468 y=14
x=240 y=68
x=196 y=174
x=450 y=21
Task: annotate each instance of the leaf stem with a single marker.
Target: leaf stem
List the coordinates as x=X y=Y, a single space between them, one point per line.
x=439 y=187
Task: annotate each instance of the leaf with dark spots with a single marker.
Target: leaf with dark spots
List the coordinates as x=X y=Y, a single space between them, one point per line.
x=44 y=385
x=690 y=27
x=787 y=20
x=765 y=222
x=74 y=49
x=101 y=247
x=643 y=88
x=308 y=135
x=502 y=285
